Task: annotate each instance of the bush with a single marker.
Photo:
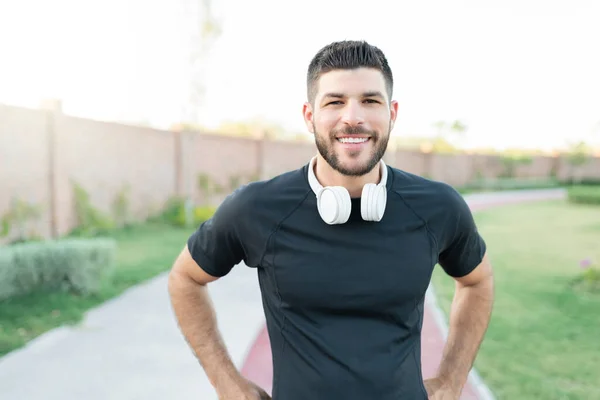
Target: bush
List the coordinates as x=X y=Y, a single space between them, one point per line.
x=77 y=265
x=584 y=194
x=174 y=213
x=202 y=214
x=589 y=279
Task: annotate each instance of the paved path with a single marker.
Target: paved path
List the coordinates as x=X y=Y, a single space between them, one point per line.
x=130 y=347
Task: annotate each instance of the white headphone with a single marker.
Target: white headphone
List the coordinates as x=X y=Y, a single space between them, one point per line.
x=333 y=202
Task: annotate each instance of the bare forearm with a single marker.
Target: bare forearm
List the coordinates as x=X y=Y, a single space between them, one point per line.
x=197 y=321
x=469 y=319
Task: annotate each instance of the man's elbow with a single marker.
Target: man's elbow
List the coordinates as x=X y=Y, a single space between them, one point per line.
x=186 y=270
x=481 y=277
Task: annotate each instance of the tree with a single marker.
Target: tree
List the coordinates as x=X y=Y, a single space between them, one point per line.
x=204 y=31
x=440 y=126
x=458 y=127
x=449 y=134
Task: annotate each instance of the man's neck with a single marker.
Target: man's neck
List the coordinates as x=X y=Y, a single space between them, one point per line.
x=327 y=176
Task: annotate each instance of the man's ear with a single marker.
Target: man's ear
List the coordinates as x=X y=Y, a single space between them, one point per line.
x=393 y=113
x=308 y=114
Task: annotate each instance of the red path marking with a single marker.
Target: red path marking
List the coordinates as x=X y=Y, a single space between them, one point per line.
x=258 y=365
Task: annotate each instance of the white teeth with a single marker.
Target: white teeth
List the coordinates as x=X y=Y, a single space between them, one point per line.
x=353 y=140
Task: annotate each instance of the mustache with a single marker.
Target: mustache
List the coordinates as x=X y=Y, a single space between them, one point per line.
x=353 y=130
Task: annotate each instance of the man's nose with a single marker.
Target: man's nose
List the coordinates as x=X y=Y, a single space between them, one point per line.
x=353 y=114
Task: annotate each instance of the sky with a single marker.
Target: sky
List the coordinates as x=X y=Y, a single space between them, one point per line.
x=517 y=73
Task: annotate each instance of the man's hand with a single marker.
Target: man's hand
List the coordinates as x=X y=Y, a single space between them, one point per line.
x=247 y=390
x=439 y=390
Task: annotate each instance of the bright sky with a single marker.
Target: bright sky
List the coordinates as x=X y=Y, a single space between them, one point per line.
x=517 y=72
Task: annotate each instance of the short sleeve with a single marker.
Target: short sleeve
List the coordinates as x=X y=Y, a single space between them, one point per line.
x=462 y=247
x=215 y=245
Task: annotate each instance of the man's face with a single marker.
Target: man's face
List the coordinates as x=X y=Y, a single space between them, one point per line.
x=351 y=119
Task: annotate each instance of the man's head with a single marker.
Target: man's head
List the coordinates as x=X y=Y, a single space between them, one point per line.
x=350 y=109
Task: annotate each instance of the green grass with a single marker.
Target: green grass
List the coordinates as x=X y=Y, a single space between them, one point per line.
x=143 y=252
x=502 y=184
x=544 y=338
x=584 y=194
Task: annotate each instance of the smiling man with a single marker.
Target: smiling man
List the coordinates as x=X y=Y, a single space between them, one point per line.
x=344 y=248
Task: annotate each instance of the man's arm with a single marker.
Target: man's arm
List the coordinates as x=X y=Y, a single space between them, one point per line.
x=197 y=320
x=469 y=319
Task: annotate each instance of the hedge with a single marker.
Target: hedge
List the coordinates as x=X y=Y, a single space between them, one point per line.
x=75 y=264
x=584 y=194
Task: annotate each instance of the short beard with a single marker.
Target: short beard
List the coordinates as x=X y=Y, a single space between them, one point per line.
x=326 y=150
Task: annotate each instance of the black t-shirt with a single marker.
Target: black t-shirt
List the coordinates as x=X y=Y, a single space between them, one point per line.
x=343 y=303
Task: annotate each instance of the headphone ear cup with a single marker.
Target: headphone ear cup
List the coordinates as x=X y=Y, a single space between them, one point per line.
x=365 y=201
x=373 y=202
x=378 y=203
x=334 y=205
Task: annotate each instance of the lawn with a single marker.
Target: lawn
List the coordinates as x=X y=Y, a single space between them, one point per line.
x=143 y=252
x=544 y=338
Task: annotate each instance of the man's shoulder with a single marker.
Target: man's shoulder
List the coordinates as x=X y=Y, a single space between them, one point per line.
x=410 y=185
x=430 y=199
x=290 y=186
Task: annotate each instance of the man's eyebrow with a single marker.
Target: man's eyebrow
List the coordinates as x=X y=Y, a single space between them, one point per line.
x=373 y=94
x=365 y=94
x=334 y=94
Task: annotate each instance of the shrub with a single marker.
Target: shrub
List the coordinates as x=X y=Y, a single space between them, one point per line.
x=202 y=214
x=584 y=194
x=76 y=265
x=174 y=213
x=590 y=277
x=90 y=220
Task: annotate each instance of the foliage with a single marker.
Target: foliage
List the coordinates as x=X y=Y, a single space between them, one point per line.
x=256 y=128
x=449 y=135
x=90 y=221
x=589 y=279
x=144 y=250
x=209 y=187
x=578 y=154
x=202 y=214
x=121 y=208
x=175 y=213
x=205 y=29
x=510 y=163
x=584 y=194
x=17 y=218
x=77 y=265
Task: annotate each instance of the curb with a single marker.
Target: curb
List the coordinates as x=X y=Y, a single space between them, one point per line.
x=483 y=392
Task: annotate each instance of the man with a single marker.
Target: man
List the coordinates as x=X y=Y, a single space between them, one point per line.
x=344 y=248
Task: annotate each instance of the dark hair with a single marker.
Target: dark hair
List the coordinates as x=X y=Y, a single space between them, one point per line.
x=348 y=54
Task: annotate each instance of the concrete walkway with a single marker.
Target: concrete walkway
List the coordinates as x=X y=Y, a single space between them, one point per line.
x=130 y=348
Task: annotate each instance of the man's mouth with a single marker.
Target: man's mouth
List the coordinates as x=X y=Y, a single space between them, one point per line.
x=352 y=139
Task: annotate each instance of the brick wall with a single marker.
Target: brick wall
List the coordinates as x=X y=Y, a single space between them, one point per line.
x=43 y=152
